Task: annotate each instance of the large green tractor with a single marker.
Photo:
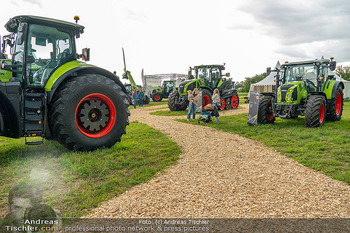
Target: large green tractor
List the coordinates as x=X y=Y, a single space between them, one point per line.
x=158 y=94
x=305 y=89
x=46 y=92
x=205 y=78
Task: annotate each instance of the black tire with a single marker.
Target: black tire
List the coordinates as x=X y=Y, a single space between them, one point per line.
x=265 y=112
x=174 y=95
x=206 y=97
x=315 y=111
x=89 y=112
x=157 y=97
x=335 y=110
x=146 y=99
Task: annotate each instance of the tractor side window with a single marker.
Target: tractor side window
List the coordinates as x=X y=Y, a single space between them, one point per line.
x=47 y=48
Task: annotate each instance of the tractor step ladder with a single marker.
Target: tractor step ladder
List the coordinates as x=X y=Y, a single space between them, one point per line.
x=33 y=117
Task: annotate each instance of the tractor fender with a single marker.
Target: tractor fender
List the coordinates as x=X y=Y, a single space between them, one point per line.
x=335 y=87
x=73 y=69
x=331 y=88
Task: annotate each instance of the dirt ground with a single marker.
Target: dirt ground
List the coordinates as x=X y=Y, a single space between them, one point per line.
x=225 y=175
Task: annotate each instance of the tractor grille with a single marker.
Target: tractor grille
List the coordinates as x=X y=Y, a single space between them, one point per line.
x=192 y=86
x=284 y=90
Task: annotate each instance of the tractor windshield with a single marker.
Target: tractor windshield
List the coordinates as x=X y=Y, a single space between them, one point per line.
x=210 y=75
x=301 y=72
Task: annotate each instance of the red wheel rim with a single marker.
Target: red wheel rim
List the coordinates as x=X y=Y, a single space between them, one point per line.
x=180 y=106
x=206 y=100
x=269 y=114
x=234 y=101
x=223 y=104
x=321 y=113
x=157 y=97
x=338 y=104
x=95 y=115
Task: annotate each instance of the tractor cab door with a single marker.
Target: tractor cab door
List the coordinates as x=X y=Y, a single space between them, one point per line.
x=47 y=48
x=215 y=77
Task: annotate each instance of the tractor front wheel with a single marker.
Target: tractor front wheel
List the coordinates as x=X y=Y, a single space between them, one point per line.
x=89 y=112
x=315 y=111
x=172 y=99
x=146 y=99
x=336 y=106
x=265 y=111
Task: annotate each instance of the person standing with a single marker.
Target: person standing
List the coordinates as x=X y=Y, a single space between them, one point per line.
x=135 y=98
x=216 y=102
x=191 y=106
x=141 y=96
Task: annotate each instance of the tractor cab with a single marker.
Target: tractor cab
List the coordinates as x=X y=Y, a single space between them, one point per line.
x=210 y=75
x=168 y=87
x=39 y=46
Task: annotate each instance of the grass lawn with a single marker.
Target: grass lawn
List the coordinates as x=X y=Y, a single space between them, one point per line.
x=76 y=182
x=325 y=149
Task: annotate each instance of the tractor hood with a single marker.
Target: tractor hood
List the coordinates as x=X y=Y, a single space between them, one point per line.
x=291 y=92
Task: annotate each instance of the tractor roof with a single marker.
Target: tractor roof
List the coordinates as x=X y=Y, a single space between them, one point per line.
x=13 y=23
x=321 y=61
x=222 y=67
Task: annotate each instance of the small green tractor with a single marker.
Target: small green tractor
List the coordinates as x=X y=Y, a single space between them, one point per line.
x=163 y=92
x=307 y=89
x=45 y=92
x=205 y=78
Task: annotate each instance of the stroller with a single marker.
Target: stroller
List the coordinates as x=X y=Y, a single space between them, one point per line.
x=207 y=113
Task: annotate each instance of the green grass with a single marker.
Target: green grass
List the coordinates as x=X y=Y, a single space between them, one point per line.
x=76 y=182
x=325 y=149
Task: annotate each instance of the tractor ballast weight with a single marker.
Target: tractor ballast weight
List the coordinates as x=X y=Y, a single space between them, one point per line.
x=306 y=88
x=205 y=78
x=46 y=92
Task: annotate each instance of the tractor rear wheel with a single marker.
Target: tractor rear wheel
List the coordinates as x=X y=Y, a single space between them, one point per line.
x=234 y=101
x=315 y=111
x=336 y=106
x=89 y=112
x=157 y=97
x=206 y=97
x=265 y=112
x=172 y=99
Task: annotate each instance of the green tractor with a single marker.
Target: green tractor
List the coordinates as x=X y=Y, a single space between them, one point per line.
x=45 y=92
x=307 y=89
x=205 y=78
x=163 y=92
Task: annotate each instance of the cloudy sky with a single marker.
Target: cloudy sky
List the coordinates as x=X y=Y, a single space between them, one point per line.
x=163 y=36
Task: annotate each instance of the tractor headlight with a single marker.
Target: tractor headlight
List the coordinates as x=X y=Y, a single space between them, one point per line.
x=288 y=97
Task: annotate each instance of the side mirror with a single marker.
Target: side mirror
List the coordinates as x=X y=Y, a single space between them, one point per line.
x=22 y=33
x=86 y=54
x=227 y=74
x=268 y=71
x=332 y=65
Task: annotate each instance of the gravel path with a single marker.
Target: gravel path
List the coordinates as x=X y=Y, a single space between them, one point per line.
x=225 y=175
